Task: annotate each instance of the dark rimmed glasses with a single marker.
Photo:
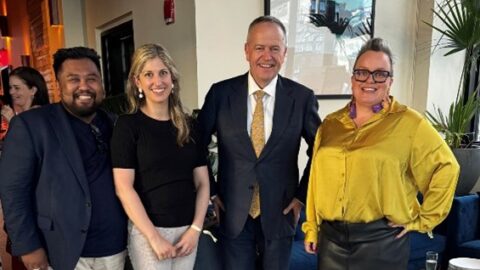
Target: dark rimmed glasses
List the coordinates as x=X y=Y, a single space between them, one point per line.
x=378 y=76
x=101 y=145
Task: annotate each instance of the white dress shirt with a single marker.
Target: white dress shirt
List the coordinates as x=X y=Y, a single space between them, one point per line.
x=268 y=104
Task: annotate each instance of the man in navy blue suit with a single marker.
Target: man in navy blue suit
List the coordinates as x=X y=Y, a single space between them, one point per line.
x=259 y=118
x=56 y=184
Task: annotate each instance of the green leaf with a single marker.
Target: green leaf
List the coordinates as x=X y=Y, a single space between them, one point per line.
x=460 y=32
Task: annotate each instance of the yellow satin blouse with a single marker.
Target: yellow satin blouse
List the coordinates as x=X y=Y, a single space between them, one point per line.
x=359 y=175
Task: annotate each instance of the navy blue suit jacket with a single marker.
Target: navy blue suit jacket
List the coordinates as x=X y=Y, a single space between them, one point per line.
x=43 y=187
x=276 y=169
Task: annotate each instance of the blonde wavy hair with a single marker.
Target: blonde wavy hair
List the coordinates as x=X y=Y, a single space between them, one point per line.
x=177 y=114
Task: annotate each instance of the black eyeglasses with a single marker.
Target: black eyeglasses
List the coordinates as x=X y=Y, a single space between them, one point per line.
x=378 y=76
x=101 y=145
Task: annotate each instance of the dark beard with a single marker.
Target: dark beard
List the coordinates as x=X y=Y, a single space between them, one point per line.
x=81 y=112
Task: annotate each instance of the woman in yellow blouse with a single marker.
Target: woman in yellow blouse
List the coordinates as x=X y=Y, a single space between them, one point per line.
x=370 y=160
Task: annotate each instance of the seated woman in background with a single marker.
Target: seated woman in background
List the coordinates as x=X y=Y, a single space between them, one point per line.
x=370 y=160
x=160 y=172
x=27 y=90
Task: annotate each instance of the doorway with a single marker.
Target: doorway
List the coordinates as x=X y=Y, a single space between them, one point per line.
x=117 y=51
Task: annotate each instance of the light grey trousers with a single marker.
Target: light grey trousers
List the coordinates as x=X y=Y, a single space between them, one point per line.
x=113 y=262
x=142 y=255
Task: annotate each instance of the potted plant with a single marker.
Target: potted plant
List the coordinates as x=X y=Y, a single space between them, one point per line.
x=461 y=33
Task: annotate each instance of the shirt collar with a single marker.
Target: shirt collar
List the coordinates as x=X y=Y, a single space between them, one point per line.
x=269 y=89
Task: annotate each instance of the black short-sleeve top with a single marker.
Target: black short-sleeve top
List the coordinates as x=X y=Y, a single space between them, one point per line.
x=163 y=169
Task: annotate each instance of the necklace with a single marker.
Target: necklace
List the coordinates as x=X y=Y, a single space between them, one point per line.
x=353 y=109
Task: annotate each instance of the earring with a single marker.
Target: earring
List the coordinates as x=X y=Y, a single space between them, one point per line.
x=140 y=93
x=173 y=86
x=352 y=110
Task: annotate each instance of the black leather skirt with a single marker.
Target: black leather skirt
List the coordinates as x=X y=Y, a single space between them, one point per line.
x=362 y=246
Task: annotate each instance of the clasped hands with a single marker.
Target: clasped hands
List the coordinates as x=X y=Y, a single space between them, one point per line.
x=166 y=250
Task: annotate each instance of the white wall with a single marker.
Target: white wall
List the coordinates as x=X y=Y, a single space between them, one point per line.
x=221 y=28
x=395 y=21
x=444 y=77
x=74 y=22
x=149 y=27
x=436 y=76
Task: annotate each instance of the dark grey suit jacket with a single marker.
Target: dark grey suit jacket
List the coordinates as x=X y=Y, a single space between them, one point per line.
x=295 y=116
x=43 y=187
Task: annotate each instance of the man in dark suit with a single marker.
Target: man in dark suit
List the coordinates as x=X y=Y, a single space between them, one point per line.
x=259 y=119
x=56 y=182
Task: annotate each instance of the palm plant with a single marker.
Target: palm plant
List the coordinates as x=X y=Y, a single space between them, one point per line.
x=461 y=19
x=454 y=124
x=336 y=27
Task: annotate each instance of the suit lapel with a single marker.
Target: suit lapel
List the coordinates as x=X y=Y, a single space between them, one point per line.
x=238 y=108
x=67 y=142
x=281 y=115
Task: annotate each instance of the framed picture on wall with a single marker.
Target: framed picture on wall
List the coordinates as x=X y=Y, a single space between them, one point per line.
x=323 y=37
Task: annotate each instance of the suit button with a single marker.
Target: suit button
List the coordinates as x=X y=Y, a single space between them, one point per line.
x=88 y=204
x=251 y=187
x=83 y=230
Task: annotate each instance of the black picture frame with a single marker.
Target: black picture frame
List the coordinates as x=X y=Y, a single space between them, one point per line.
x=54 y=8
x=349 y=23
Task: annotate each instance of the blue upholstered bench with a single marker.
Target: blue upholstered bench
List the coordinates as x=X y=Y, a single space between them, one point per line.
x=463 y=233
x=299 y=259
x=419 y=245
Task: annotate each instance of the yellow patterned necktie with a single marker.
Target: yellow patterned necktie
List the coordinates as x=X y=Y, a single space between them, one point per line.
x=258 y=140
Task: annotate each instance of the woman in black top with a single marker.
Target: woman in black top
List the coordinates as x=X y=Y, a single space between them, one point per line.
x=159 y=171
